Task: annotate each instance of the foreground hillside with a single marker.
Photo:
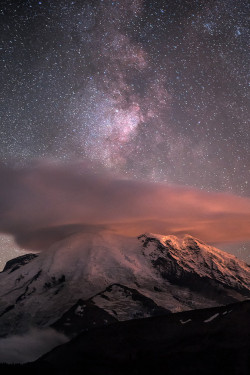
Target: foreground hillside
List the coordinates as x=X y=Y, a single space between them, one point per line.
x=209 y=341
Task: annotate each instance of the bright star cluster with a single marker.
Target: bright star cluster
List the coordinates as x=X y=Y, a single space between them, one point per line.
x=151 y=89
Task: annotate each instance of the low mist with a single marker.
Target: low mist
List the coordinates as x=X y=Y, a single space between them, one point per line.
x=29 y=346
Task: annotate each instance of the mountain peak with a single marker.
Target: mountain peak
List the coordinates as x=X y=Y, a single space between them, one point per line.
x=160 y=238
x=188 y=255
x=177 y=241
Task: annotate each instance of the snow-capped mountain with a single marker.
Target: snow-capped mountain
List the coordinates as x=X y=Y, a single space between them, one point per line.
x=118 y=275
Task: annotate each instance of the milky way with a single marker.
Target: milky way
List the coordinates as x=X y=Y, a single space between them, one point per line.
x=153 y=90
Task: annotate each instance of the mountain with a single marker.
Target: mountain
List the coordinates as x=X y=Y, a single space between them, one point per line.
x=123 y=277
x=208 y=341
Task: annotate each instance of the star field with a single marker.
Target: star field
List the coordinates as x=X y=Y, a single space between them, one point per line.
x=151 y=89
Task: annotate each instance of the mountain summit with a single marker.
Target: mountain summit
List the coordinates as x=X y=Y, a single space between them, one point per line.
x=119 y=278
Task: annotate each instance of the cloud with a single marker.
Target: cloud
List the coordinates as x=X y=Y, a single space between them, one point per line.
x=43 y=203
x=29 y=346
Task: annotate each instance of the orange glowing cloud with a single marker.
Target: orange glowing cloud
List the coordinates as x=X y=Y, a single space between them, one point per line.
x=42 y=204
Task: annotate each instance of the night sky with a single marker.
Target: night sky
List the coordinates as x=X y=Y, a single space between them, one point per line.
x=150 y=90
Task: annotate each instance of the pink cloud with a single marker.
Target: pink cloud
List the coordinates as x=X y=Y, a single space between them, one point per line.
x=43 y=203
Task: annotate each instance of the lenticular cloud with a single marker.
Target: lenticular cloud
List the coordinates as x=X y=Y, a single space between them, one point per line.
x=46 y=202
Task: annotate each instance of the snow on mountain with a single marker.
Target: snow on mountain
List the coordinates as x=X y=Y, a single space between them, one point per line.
x=126 y=303
x=176 y=274
x=115 y=303
x=192 y=256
